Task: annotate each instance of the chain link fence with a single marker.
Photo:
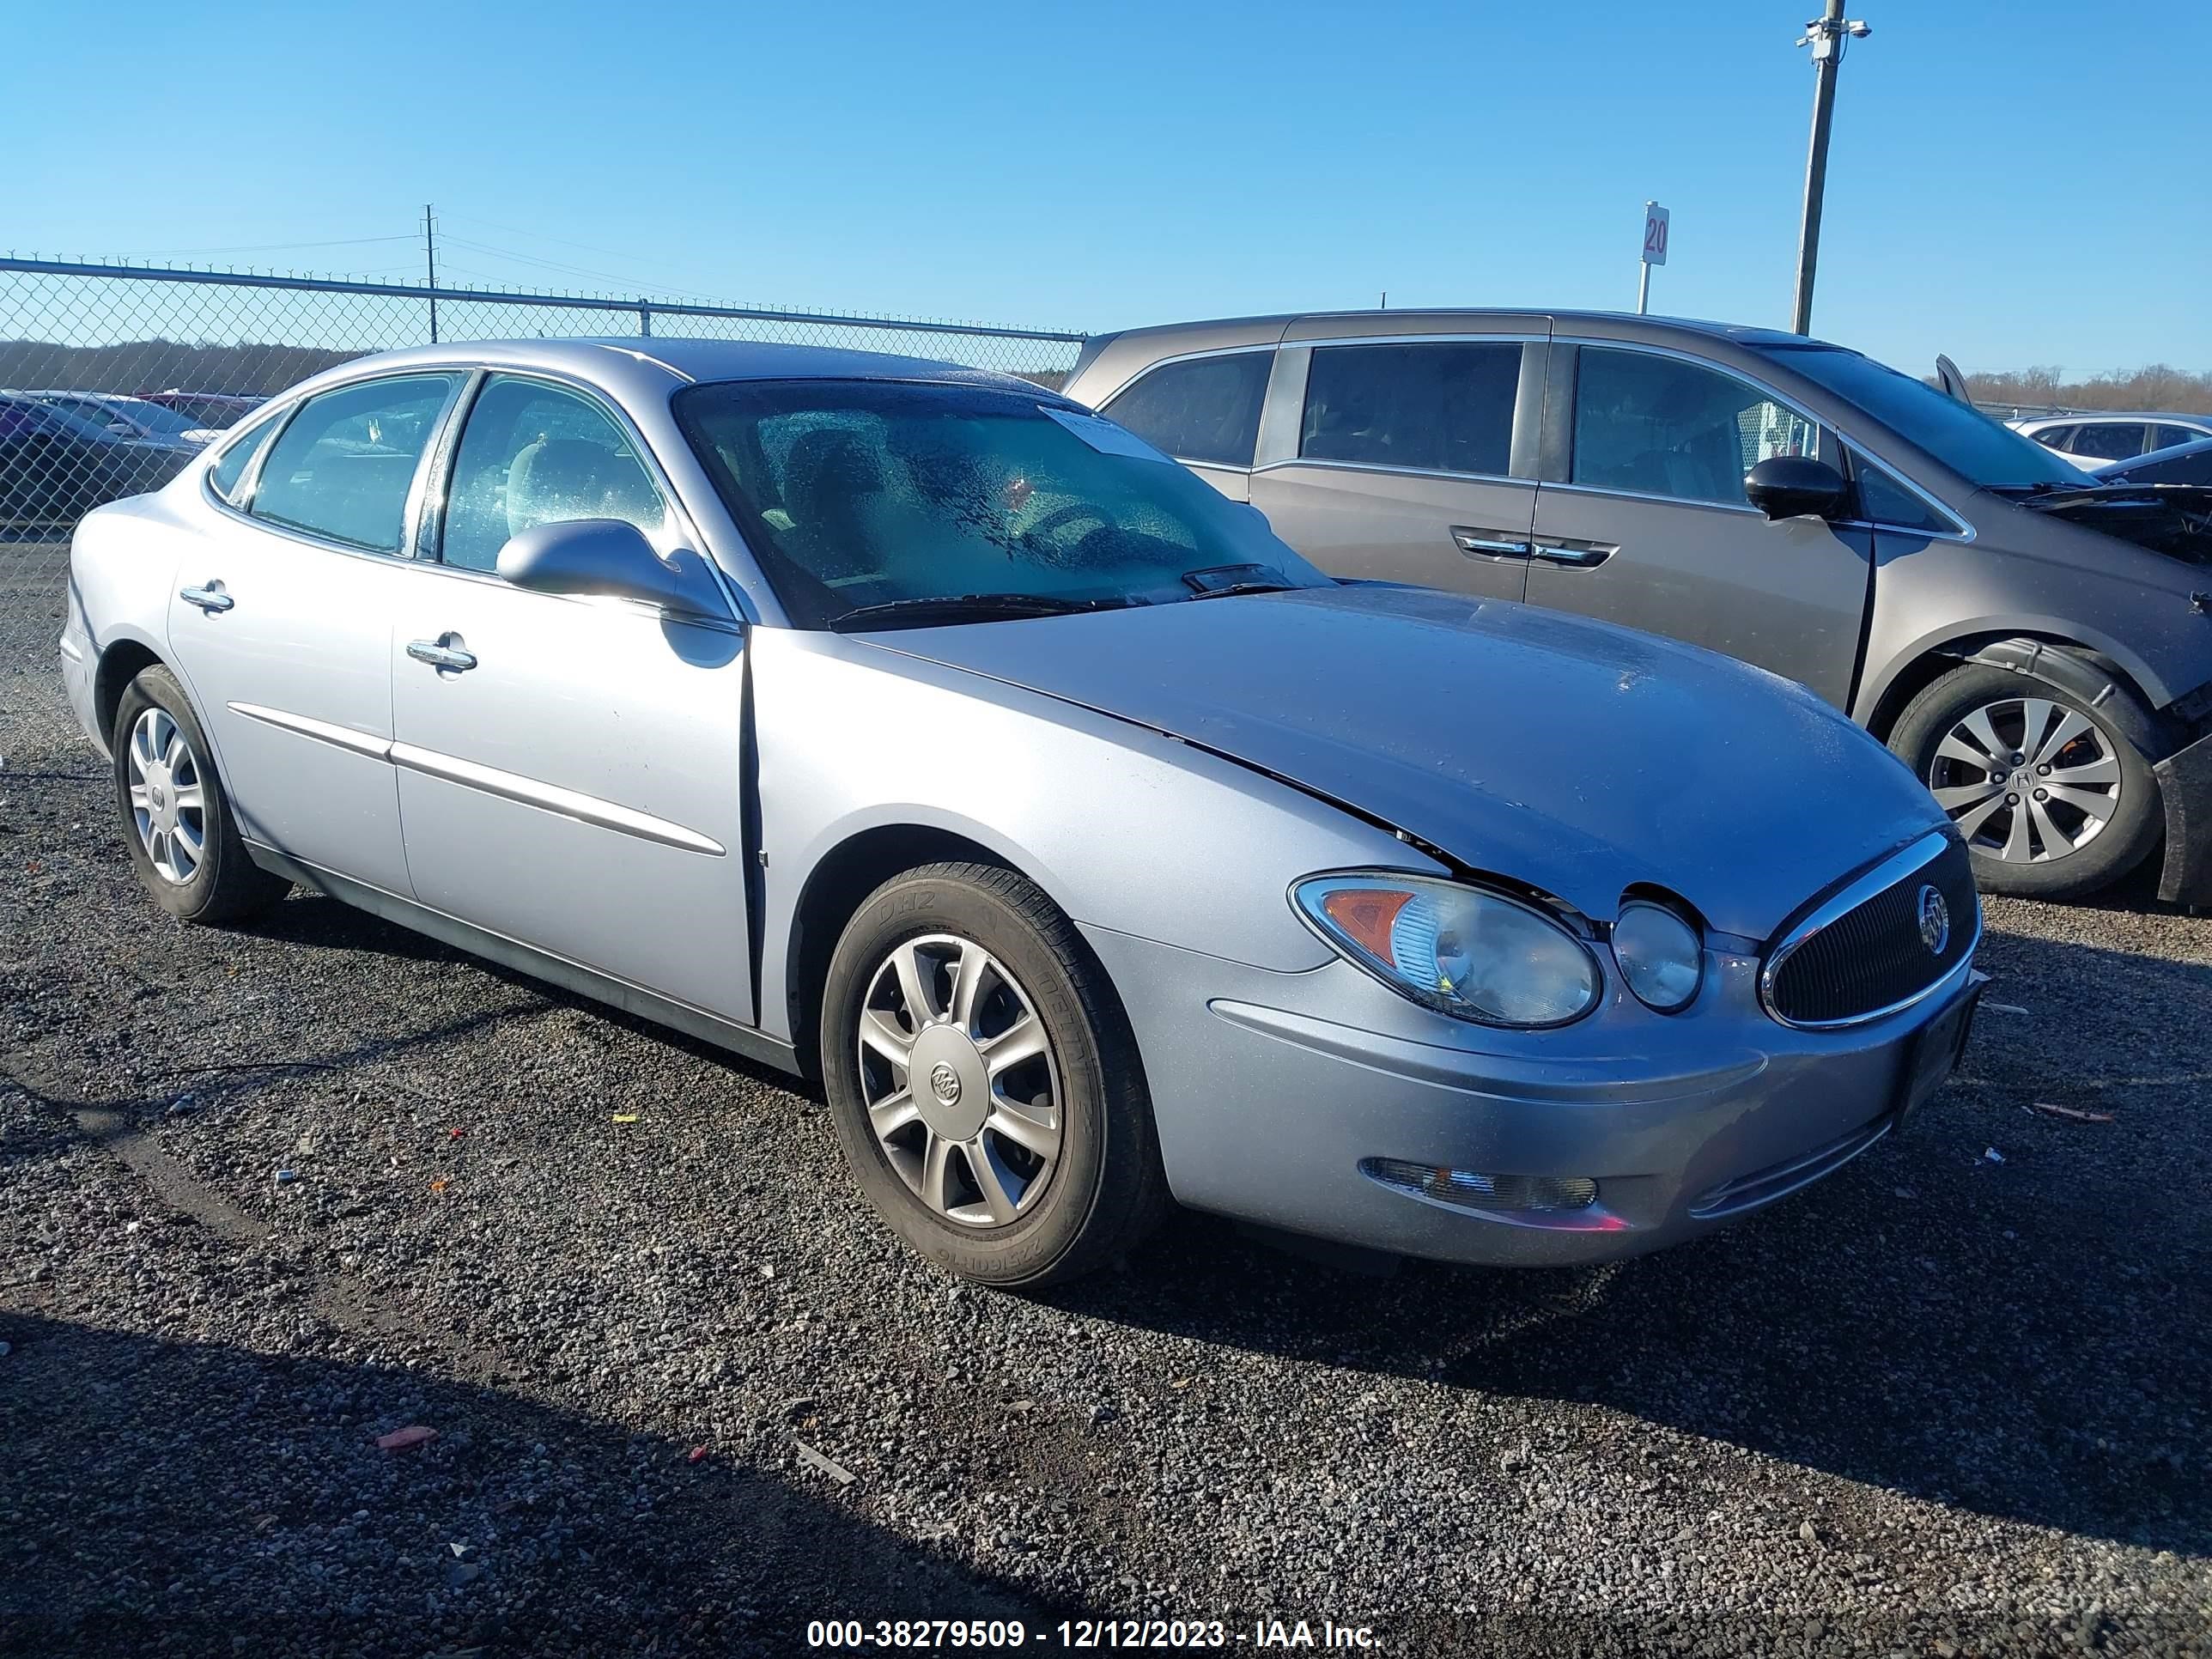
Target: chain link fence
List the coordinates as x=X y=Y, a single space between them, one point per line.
x=113 y=377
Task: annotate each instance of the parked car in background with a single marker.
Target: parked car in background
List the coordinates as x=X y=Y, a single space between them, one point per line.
x=132 y=418
x=913 y=726
x=2107 y=436
x=55 y=465
x=2179 y=464
x=2037 y=649
x=219 y=409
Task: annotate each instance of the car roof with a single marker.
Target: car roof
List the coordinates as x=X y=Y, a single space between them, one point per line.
x=645 y=366
x=1742 y=333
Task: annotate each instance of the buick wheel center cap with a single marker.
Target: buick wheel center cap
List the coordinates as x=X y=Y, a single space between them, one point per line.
x=951 y=1086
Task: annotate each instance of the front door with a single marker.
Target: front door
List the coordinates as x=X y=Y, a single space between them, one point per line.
x=1404 y=465
x=281 y=624
x=569 y=767
x=1649 y=526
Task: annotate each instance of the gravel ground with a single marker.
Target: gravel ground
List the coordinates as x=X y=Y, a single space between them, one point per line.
x=1941 y=1404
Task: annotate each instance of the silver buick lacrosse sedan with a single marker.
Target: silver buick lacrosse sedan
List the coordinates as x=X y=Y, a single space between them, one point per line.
x=916 y=730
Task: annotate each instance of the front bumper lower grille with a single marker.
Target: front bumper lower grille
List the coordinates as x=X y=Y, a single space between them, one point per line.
x=1880 y=943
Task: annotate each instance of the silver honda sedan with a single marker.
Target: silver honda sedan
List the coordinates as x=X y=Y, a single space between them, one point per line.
x=916 y=730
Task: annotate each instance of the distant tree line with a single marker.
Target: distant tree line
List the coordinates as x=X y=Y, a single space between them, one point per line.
x=2161 y=387
x=162 y=366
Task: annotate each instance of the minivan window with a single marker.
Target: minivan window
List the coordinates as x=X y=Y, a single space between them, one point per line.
x=533 y=454
x=1978 y=449
x=1661 y=426
x=225 y=476
x=344 y=464
x=855 y=494
x=1432 y=407
x=1883 y=501
x=2109 y=441
x=1202 y=408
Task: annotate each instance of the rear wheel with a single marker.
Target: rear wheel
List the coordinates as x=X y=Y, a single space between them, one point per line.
x=183 y=840
x=983 y=1081
x=2053 y=802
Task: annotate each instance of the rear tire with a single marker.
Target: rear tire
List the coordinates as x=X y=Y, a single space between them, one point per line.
x=177 y=822
x=1010 y=1172
x=2053 y=799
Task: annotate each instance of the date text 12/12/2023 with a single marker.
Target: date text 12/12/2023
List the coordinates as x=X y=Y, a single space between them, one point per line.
x=931 y=1635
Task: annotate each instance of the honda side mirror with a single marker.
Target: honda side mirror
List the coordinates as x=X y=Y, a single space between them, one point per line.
x=1796 y=487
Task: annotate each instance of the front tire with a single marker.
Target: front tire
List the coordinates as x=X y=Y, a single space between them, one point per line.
x=2054 y=801
x=177 y=822
x=984 y=1083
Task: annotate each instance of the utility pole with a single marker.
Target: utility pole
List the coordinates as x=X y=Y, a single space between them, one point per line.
x=1826 y=34
x=430 y=260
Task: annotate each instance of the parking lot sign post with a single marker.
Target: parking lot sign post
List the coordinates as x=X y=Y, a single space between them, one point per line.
x=1656 y=222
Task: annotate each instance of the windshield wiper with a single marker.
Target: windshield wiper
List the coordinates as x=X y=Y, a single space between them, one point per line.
x=964 y=607
x=1219 y=582
x=2053 y=495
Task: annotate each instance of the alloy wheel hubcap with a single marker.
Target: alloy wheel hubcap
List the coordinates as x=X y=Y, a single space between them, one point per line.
x=960 y=1080
x=168 y=801
x=2027 y=780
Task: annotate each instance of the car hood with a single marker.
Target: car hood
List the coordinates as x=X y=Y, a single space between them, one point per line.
x=1571 y=755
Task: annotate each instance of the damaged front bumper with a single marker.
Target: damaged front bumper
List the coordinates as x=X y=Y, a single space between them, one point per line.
x=2185 y=779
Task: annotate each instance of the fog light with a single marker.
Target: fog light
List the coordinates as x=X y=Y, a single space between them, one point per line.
x=1471 y=1189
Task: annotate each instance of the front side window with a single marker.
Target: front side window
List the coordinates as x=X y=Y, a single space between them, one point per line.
x=533 y=454
x=343 y=466
x=1441 y=407
x=2166 y=436
x=2109 y=441
x=1203 y=409
x=855 y=494
x=1884 y=500
x=230 y=469
x=1659 y=426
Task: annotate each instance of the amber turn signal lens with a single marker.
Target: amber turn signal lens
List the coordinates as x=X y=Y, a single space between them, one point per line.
x=1366 y=914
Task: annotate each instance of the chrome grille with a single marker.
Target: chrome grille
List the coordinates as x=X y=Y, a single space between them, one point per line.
x=1863 y=952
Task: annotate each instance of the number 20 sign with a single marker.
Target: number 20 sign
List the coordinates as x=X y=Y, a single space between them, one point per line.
x=1655 y=220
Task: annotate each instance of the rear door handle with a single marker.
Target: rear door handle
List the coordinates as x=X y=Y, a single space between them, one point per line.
x=449 y=658
x=1581 y=555
x=1496 y=543
x=210 y=597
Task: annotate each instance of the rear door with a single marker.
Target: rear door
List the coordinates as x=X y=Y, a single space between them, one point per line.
x=281 y=623
x=1406 y=459
x=1641 y=519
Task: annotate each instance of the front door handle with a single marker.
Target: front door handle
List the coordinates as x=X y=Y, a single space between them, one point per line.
x=446 y=658
x=1480 y=540
x=1581 y=555
x=210 y=597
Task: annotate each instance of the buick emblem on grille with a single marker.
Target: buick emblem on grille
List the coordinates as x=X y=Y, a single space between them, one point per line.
x=1934 y=921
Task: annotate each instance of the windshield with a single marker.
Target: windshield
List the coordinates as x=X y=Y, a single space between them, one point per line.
x=862 y=493
x=153 y=416
x=1983 y=451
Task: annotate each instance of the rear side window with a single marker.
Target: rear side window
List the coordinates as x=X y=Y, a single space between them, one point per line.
x=2109 y=441
x=2054 y=437
x=1659 y=426
x=344 y=465
x=1446 y=407
x=1203 y=409
x=229 y=470
x=534 y=454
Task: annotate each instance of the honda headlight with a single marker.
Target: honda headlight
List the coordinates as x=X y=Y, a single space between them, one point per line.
x=1660 y=956
x=1462 y=950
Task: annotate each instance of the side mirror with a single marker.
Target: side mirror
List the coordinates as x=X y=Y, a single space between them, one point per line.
x=1794 y=487
x=607 y=555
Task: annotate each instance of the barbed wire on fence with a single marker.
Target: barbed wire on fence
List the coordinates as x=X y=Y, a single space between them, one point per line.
x=113 y=376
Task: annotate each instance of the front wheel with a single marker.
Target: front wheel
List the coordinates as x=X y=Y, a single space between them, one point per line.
x=2053 y=802
x=985 y=1085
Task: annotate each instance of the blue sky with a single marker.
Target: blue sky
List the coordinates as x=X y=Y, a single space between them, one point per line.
x=2000 y=190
